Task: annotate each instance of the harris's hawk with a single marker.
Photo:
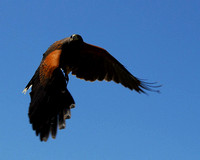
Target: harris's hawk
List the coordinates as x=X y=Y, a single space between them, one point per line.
x=51 y=101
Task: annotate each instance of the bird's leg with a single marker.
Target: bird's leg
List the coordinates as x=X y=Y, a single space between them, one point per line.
x=67 y=78
x=66 y=75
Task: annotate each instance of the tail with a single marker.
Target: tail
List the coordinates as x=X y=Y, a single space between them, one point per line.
x=50 y=105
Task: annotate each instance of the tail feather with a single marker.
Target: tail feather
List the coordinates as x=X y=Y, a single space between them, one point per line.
x=61 y=120
x=44 y=132
x=53 y=127
x=67 y=113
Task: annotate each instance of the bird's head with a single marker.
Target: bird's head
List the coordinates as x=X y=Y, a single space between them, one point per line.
x=75 y=40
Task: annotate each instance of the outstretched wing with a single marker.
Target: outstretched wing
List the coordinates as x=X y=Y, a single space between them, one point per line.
x=50 y=100
x=95 y=63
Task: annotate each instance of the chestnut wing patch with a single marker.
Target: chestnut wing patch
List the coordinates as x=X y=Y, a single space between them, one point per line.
x=48 y=65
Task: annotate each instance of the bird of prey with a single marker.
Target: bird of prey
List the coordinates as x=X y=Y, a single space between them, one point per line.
x=51 y=101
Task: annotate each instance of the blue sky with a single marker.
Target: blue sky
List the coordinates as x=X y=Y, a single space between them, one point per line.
x=156 y=40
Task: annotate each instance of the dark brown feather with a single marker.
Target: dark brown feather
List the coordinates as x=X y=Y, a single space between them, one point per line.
x=49 y=104
x=95 y=63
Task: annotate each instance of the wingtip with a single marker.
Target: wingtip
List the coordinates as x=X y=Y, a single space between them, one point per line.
x=149 y=87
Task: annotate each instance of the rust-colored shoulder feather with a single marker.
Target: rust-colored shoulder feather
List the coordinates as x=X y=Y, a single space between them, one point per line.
x=48 y=65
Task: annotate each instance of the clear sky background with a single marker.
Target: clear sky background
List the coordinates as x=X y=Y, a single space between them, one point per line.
x=157 y=40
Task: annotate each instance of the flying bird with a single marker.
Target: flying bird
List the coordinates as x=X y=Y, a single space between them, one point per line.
x=50 y=99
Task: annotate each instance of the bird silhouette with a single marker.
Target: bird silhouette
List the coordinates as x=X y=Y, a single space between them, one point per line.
x=50 y=99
